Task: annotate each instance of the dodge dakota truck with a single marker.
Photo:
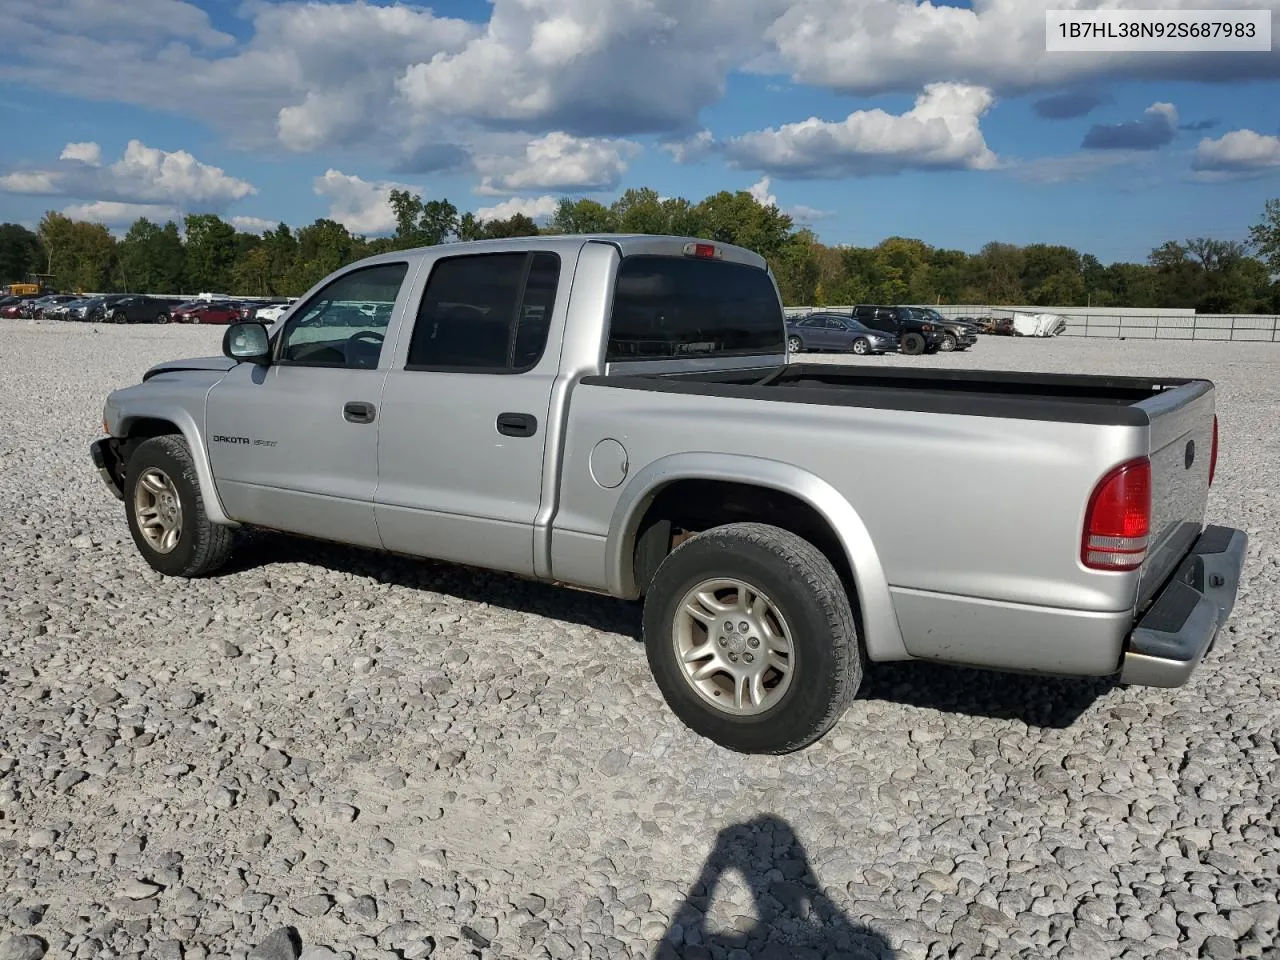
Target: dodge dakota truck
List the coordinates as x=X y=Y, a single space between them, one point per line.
x=620 y=414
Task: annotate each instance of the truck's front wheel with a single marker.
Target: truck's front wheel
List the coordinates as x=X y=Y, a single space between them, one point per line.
x=166 y=512
x=751 y=638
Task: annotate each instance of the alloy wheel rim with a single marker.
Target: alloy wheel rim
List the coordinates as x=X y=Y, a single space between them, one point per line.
x=734 y=647
x=158 y=510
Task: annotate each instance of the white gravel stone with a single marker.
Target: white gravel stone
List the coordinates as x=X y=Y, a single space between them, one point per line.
x=380 y=752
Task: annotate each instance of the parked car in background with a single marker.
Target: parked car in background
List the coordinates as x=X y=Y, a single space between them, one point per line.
x=14 y=310
x=206 y=311
x=36 y=308
x=957 y=334
x=915 y=331
x=138 y=308
x=67 y=309
x=272 y=313
x=833 y=331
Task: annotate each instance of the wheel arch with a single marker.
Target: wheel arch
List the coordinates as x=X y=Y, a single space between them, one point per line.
x=873 y=603
x=144 y=422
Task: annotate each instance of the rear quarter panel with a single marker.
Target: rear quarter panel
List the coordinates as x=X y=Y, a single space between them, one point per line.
x=976 y=507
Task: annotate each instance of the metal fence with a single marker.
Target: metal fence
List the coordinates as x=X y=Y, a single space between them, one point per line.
x=1121 y=324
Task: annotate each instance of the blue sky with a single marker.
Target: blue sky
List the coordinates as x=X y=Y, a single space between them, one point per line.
x=946 y=122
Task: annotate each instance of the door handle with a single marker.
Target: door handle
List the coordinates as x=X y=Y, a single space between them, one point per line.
x=357 y=411
x=517 y=424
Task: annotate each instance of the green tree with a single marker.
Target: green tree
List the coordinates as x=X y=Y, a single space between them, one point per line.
x=1264 y=236
x=420 y=224
x=323 y=247
x=252 y=272
x=797 y=270
x=152 y=258
x=582 y=216
x=516 y=225
x=20 y=253
x=740 y=219
x=81 y=256
x=211 y=253
x=641 y=211
x=470 y=228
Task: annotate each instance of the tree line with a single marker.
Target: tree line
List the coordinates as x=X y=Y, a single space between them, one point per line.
x=210 y=254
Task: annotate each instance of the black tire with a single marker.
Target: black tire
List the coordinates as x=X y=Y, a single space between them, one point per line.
x=827 y=664
x=948 y=342
x=202 y=546
x=912 y=344
x=795 y=345
x=862 y=346
x=162 y=318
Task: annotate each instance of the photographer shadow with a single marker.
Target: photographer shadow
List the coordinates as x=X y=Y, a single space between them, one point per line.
x=790 y=915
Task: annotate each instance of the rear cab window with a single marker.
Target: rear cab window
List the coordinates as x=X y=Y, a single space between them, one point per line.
x=485 y=313
x=674 y=308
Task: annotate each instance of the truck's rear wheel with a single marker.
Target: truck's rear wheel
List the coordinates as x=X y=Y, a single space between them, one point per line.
x=751 y=638
x=912 y=344
x=166 y=511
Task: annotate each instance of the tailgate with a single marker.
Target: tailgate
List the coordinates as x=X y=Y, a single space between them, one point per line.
x=1181 y=449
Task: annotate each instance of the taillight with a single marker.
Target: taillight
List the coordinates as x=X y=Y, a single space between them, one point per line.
x=1117 y=523
x=1213 y=451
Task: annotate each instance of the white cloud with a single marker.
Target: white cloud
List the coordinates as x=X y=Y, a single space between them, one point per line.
x=760 y=191
x=32 y=181
x=1071 y=167
x=593 y=66
x=1237 y=153
x=563 y=162
x=254 y=224
x=359 y=205
x=691 y=149
x=941 y=130
x=802 y=214
x=114 y=213
x=309 y=74
x=536 y=208
x=874 y=46
x=142 y=175
x=87 y=152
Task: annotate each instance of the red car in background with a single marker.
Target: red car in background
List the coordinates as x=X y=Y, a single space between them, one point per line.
x=206 y=311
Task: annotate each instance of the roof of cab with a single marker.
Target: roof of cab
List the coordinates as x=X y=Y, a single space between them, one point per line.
x=628 y=244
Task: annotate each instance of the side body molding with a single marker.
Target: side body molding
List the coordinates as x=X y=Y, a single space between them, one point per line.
x=883 y=637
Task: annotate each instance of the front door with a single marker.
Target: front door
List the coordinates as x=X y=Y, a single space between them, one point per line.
x=464 y=419
x=294 y=446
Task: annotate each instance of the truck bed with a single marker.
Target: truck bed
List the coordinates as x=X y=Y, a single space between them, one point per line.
x=1068 y=398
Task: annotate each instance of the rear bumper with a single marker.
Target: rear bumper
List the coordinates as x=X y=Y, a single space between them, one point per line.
x=106 y=458
x=1181 y=625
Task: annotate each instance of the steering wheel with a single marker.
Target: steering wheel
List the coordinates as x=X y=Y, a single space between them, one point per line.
x=351 y=351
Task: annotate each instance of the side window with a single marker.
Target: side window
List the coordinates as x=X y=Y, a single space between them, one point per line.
x=344 y=324
x=485 y=312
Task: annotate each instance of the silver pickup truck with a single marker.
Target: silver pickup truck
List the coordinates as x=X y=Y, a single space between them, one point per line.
x=620 y=414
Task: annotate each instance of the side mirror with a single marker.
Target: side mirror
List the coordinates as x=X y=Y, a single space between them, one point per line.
x=247 y=341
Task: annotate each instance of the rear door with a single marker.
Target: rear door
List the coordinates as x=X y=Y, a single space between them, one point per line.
x=464 y=410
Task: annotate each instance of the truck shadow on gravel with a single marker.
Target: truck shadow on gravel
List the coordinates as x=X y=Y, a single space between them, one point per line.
x=789 y=916
x=1051 y=702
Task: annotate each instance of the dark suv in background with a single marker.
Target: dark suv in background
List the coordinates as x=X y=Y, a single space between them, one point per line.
x=138 y=309
x=917 y=332
x=956 y=334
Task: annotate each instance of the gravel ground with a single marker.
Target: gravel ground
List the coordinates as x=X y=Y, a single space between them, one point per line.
x=339 y=754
